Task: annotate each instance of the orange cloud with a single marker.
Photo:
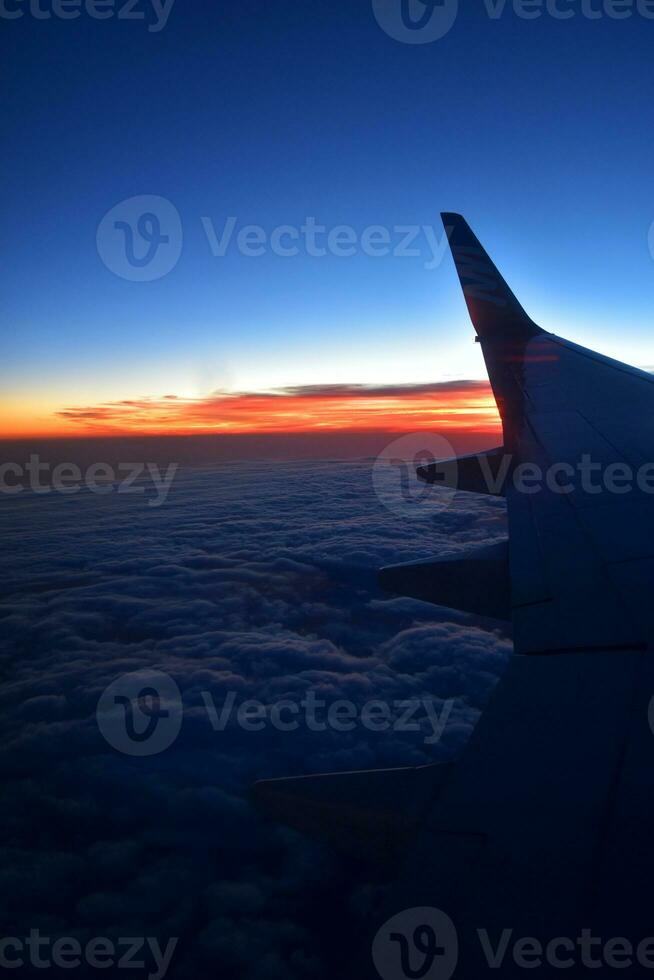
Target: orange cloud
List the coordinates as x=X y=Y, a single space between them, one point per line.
x=460 y=405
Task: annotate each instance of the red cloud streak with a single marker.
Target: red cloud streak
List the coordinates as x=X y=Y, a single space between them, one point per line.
x=459 y=405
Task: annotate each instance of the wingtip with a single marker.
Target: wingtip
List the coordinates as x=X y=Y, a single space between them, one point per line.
x=448 y=217
x=493 y=308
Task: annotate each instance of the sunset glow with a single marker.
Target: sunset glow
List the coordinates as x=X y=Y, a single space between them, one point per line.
x=461 y=405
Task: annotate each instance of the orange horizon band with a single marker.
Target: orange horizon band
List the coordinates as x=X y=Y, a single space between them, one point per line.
x=471 y=407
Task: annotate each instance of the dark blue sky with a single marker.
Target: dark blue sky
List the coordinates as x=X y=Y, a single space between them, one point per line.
x=538 y=130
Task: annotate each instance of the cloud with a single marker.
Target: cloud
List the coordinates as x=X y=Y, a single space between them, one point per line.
x=256 y=579
x=466 y=405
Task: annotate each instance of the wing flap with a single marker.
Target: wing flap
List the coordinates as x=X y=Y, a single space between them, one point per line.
x=477 y=582
x=371 y=813
x=477 y=473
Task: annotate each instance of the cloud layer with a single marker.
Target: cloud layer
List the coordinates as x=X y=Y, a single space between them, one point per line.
x=257 y=579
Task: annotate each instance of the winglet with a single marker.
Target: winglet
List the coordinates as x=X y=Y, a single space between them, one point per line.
x=493 y=309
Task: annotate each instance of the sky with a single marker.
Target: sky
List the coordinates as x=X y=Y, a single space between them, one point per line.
x=210 y=118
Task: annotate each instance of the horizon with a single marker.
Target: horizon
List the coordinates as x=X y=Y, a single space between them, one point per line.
x=461 y=406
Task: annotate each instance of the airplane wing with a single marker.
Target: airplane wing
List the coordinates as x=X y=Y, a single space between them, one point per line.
x=541 y=832
x=579 y=431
